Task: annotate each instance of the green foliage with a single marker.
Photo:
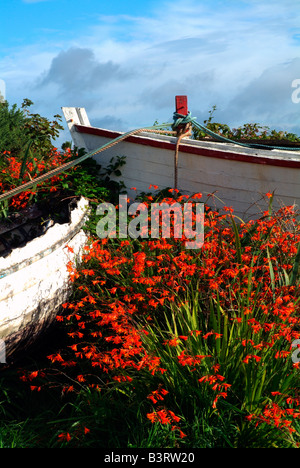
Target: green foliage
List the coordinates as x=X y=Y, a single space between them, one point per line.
x=39 y=129
x=18 y=127
x=94 y=182
x=248 y=131
x=12 y=135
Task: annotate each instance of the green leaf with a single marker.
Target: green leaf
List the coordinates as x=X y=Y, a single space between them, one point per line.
x=295 y=270
x=25 y=158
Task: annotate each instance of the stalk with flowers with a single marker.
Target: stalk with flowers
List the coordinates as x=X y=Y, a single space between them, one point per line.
x=202 y=335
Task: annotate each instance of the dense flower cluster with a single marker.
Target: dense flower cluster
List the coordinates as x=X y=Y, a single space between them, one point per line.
x=13 y=174
x=214 y=324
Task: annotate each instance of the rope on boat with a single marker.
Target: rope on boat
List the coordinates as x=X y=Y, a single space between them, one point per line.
x=181 y=127
x=183 y=124
x=247 y=145
x=181 y=120
x=70 y=164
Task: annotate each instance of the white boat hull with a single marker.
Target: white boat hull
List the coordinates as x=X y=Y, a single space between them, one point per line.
x=226 y=174
x=35 y=281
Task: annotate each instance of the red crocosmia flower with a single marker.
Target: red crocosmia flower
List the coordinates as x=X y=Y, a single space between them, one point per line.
x=251 y=356
x=65 y=436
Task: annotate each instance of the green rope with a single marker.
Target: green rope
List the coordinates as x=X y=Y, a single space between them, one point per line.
x=249 y=145
x=180 y=119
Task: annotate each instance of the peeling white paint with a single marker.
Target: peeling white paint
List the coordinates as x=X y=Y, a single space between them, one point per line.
x=37 y=279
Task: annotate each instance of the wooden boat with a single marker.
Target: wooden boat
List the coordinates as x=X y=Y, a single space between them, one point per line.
x=34 y=281
x=225 y=173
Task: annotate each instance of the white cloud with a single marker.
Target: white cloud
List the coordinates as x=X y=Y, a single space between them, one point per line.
x=239 y=55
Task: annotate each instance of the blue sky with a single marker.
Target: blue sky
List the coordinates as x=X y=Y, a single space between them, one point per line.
x=125 y=61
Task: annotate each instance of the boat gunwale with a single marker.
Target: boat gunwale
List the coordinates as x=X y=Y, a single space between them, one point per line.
x=273 y=157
